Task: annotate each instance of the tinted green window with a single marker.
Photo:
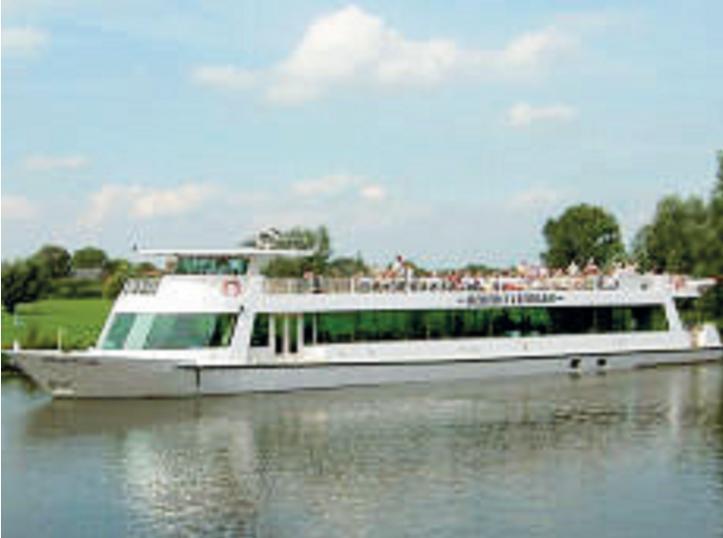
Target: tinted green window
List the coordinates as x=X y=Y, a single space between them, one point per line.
x=260 y=333
x=691 y=311
x=170 y=331
x=118 y=332
x=393 y=325
x=210 y=266
x=186 y=331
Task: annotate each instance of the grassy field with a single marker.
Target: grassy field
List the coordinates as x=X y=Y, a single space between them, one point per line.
x=80 y=320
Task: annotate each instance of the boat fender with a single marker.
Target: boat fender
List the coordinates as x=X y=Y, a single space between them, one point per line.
x=231 y=288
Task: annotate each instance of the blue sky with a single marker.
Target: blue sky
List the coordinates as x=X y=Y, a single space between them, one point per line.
x=444 y=131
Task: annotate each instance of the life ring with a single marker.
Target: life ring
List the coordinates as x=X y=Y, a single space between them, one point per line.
x=231 y=288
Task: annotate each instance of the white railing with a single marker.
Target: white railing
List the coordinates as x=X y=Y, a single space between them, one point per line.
x=365 y=285
x=141 y=286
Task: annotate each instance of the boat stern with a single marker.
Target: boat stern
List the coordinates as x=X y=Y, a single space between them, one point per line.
x=707 y=336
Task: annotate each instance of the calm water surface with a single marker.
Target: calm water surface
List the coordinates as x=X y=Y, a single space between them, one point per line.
x=627 y=454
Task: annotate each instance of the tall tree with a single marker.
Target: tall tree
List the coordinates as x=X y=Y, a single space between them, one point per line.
x=89 y=258
x=712 y=302
x=675 y=239
x=23 y=281
x=713 y=248
x=315 y=240
x=686 y=236
x=581 y=233
x=345 y=267
x=54 y=259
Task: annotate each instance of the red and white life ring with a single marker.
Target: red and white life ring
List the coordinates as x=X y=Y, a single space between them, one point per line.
x=231 y=288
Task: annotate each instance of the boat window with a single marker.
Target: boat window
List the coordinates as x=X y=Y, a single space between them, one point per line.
x=391 y=325
x=118 y=332
x=260 y=332
x=192 y=265
x=691 y=311
x=170 y=331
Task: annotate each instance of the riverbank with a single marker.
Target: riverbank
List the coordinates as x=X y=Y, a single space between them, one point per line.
x=74 y=323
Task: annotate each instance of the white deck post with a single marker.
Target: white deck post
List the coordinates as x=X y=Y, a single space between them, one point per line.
x=272 y=333
x=299 y=332
x=671 y=312
x=286 y=334
x=314 y=330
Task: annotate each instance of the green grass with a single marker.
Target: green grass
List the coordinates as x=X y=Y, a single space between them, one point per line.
x=80 y=320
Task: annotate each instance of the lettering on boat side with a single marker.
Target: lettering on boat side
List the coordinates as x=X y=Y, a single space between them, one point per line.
x=71 y=360
x=474 y=300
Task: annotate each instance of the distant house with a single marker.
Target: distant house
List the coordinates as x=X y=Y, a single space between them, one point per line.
x=87 y=273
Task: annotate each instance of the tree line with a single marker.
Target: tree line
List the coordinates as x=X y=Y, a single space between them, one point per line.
x=684 y=236
x=53 y=272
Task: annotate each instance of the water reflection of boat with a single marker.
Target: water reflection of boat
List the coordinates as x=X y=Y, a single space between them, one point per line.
x=510 y=401
x=340 y=458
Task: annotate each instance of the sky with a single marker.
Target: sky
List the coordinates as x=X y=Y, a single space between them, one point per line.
x=447 y=132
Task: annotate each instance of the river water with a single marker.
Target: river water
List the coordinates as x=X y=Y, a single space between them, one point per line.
x=624 y=454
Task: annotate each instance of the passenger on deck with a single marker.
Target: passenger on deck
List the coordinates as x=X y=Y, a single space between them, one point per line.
x=591 y=269
x=397 y=266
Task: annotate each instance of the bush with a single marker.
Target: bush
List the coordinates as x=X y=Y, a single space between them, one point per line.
x=34 y=338
x=89 y=258
x=113 y=285
x=72 y=288
x=54 y=259
x=22 y=282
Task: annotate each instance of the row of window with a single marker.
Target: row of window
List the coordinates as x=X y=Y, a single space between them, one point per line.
x=198 y=265
x=188 y=331
x=390 y=325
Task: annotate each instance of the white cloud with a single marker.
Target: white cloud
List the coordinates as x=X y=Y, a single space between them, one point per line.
x=535 y=198
x=373 y=192
x=225 y=77
x=524 y=114
x=535 y=47
x=45 y=163
x=104 y=202
x=24 y=40
x=338 y=184
x=176 y=201
x=17 y=207
x=326 y=185
x=353 y=47
x=141 y=203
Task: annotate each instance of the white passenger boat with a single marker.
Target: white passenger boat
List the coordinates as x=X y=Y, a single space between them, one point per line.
x=215 y=325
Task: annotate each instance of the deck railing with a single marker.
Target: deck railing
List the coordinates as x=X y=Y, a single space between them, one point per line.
x=369 y=285
x=141 y=286
x=365 y=285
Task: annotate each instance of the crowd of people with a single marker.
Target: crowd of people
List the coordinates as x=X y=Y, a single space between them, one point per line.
x=402 y=275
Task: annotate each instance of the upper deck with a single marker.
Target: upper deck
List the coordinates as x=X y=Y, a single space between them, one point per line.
x=677 y=286
x=225 y=280
x=222 y=293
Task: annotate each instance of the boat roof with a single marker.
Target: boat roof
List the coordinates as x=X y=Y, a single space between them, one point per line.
x=226 y=253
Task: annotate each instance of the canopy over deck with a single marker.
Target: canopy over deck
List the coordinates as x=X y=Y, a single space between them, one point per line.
x=258 y=253
x=221 y=261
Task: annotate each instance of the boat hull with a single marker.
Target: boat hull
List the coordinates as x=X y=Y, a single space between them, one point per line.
x=86 y=376
x=68 y=375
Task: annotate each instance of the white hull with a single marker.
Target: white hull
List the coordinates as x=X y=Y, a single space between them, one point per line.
x=83 y=375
